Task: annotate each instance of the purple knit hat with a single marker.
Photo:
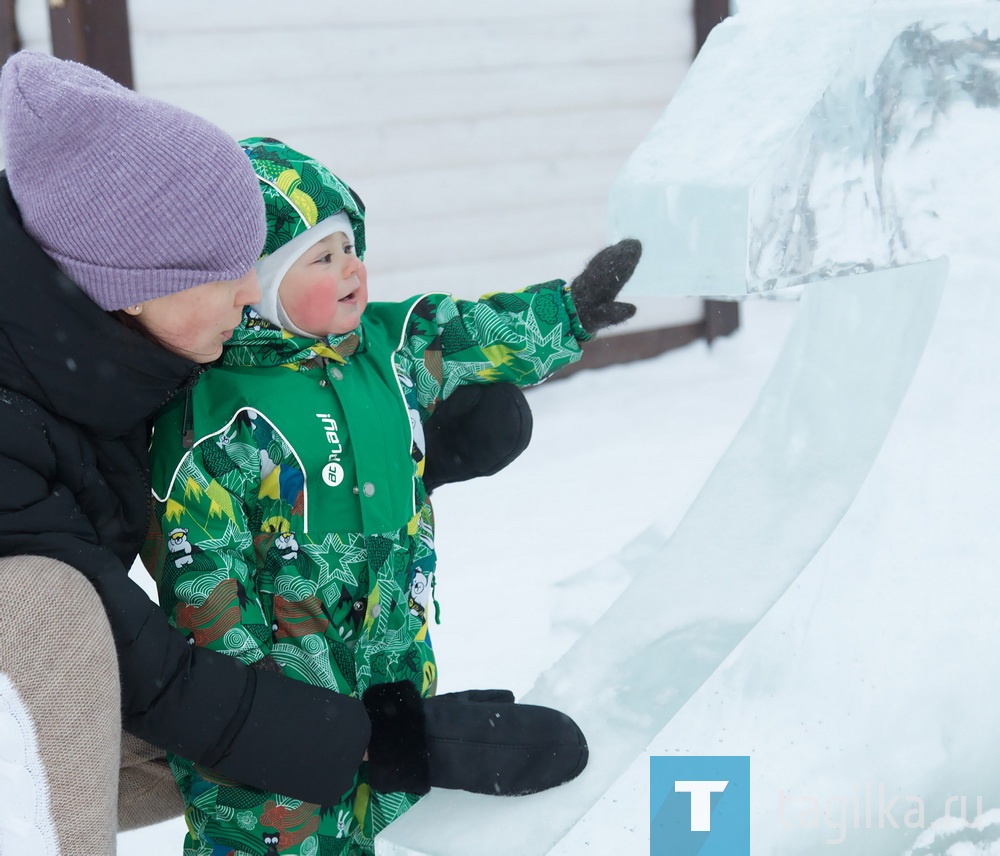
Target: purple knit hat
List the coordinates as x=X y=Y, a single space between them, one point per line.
x=133 y=198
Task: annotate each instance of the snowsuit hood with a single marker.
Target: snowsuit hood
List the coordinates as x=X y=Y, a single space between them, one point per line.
x=304 y=202
x=61 y=350
x=299 y=192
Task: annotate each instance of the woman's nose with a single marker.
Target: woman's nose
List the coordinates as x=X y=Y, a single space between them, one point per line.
x=249 y=289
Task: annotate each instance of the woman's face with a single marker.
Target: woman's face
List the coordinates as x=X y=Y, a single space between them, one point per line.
x=195 y=323
x=326 y=291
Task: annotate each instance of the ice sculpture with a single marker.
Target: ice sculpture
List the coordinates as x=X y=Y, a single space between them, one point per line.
x=798 y=172
x=801 y=149
x=870 y=682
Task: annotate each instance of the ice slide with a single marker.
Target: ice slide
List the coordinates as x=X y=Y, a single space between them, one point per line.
x=864 y=478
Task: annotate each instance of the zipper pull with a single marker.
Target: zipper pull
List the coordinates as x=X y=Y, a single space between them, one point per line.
x=187 y=437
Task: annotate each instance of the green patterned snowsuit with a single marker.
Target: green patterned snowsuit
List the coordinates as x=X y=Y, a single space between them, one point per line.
x=294 y=525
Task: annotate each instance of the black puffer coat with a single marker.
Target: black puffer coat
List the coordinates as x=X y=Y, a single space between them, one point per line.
x=76 y=389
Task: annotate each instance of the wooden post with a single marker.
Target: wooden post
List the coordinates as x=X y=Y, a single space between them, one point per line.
x=10 y=39
x=722 y=317
x=95 y=33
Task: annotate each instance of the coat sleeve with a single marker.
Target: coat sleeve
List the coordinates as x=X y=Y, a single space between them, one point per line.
x=520 y=337
x=197 y=703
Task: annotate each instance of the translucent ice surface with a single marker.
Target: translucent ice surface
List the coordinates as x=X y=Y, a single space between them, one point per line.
x=783 y=159
x=780 y=489
x=875 y=669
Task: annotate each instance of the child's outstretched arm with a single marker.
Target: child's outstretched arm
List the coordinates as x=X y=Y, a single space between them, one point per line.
x=520 y=337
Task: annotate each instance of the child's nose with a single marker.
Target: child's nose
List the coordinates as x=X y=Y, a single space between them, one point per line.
x=352 y=264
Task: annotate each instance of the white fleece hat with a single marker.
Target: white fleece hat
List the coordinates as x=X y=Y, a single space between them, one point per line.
x=271 y=269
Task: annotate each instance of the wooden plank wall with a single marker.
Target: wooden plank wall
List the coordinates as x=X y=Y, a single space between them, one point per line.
x=483 y=137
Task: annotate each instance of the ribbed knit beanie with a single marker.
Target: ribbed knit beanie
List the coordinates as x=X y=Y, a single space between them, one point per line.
x=133 y=198
x=300 y=195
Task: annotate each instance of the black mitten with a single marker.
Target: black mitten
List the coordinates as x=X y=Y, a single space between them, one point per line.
x=398 y=759
x=478 y=740
x=594 y=291
x=476 y=431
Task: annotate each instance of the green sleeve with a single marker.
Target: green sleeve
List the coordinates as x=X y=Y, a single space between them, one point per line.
x=519 y=337
x=205 y=564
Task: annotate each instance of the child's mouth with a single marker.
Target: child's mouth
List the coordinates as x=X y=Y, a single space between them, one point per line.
x=350 y=298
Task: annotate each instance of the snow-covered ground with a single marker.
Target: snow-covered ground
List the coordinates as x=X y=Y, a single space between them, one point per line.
x=613 y=451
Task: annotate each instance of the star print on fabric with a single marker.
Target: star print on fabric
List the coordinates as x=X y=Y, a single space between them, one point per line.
x=343 y=555
x=455 y=374
x=231 y=548
x=537 y=343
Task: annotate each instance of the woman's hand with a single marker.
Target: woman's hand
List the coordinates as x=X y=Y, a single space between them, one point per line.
x=477 y=740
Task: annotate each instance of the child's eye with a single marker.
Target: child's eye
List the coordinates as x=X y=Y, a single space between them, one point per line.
x=325 y=259
x=348 y=249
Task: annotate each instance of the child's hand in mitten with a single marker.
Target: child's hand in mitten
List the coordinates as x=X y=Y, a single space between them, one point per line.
x=594 y=291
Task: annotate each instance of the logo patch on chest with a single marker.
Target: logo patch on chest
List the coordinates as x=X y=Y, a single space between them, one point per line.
x=333 y=472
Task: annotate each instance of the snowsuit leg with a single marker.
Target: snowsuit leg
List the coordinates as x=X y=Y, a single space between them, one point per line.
x=60 y=719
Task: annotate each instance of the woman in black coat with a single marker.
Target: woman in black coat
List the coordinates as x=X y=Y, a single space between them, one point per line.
x=110 y=201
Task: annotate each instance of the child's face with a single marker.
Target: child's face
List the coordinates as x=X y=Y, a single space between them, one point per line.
x=326 y=290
